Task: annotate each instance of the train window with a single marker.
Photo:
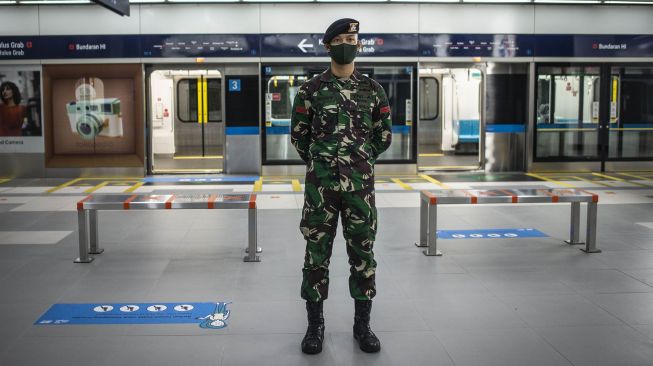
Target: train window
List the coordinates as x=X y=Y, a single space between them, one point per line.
x=429 y=90
x=281 y=91
x=187 y=99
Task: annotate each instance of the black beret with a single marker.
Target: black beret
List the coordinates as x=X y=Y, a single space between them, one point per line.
x=340 y=26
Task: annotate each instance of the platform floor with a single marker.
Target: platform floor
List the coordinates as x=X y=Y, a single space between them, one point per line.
x=529 y=301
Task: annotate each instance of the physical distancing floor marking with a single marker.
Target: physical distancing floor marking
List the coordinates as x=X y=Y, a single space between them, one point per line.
x=550 y=180
x=434 y=181
x=67 y=184
x=636 y=176
x=402 y=184
x=620 y=180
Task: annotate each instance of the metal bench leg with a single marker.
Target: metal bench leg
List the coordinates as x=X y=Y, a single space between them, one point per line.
x=82 y=223
x=252 y=248
x=432 y=240
x=592 y=211
x=574 y=231
x=93 y=233
x=423 y=222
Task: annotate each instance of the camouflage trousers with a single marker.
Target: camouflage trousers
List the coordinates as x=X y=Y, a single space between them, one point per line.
x=318 y=225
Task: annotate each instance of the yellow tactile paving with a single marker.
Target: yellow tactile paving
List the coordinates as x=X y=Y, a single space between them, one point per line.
x=296 y=187
x=402 y=184
x=434 y=181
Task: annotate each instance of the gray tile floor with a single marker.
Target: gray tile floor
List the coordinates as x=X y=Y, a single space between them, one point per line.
x=485 y=302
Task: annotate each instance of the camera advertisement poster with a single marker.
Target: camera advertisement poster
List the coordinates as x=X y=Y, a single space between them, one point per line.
x=93 y=115
x=20 y=111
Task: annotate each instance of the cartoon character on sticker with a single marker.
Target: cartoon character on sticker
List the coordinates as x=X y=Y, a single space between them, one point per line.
x=218 y=319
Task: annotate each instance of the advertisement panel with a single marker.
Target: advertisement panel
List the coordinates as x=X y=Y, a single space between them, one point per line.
x=93 y=115
x=20 y=110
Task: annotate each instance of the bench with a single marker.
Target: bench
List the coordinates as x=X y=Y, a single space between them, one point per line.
x=88 y=208
x=429 y=201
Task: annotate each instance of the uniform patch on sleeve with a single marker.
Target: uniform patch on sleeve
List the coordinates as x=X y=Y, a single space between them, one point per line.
x=301 y=110
x=385 y=109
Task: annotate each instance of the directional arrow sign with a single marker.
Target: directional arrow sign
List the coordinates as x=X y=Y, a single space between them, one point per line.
x=303 y=45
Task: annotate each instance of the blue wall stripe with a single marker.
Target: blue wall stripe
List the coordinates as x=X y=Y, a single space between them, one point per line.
x=253 y=130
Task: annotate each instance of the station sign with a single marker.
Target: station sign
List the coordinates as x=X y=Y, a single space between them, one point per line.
x=552 y=45
x=310 y=45
x=476 y=45
x=200 y=45
x=19 y=48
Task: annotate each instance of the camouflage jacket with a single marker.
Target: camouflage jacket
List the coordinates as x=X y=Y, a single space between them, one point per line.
x=339 y=127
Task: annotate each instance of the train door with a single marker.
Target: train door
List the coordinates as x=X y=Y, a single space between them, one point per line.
x=185 y=114
x=450 y=117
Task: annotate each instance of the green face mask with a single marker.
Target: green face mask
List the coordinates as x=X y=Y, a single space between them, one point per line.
x=343 y=53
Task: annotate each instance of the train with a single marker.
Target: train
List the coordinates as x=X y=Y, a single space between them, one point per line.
x=208 y=88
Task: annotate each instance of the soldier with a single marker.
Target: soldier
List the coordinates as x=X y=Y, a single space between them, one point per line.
x=340 y=125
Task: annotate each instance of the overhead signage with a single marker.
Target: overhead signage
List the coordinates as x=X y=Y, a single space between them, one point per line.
x=310 y=45
x=476 y=45
x=96 y=46
x=19 y=48
x=551 y=45
x=120 y=7
x=209 y=315
x=200 y=45
x=490 y=234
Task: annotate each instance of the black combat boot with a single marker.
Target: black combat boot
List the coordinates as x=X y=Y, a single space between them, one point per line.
x=362 y=332
x=312 y=342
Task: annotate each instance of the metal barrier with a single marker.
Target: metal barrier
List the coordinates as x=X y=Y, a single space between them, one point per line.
x=88 y=220
x=429 y=201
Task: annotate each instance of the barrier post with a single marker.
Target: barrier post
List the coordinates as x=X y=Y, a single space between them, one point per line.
x=252 y=246
x=574 y=230
x=592 y=213
x=423 y=220
x=82 y=223
x=431 y=235
x=93 y=233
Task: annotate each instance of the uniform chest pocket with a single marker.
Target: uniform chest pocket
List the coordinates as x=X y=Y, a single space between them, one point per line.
x=363 y=120
x=325 y=116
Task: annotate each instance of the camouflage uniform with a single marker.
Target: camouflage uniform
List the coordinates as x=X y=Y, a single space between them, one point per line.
x=339 y=127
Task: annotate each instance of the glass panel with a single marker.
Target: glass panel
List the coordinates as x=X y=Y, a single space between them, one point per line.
x=282 y=83
x=214 y=98
x=187 y=100
x=397 y=82
x=631 y=112
x=428 y=107
x=281 y=86
x=567 y=108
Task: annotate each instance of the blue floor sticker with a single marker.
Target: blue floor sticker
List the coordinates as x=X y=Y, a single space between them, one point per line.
x=490 y=234
x=210 y=315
